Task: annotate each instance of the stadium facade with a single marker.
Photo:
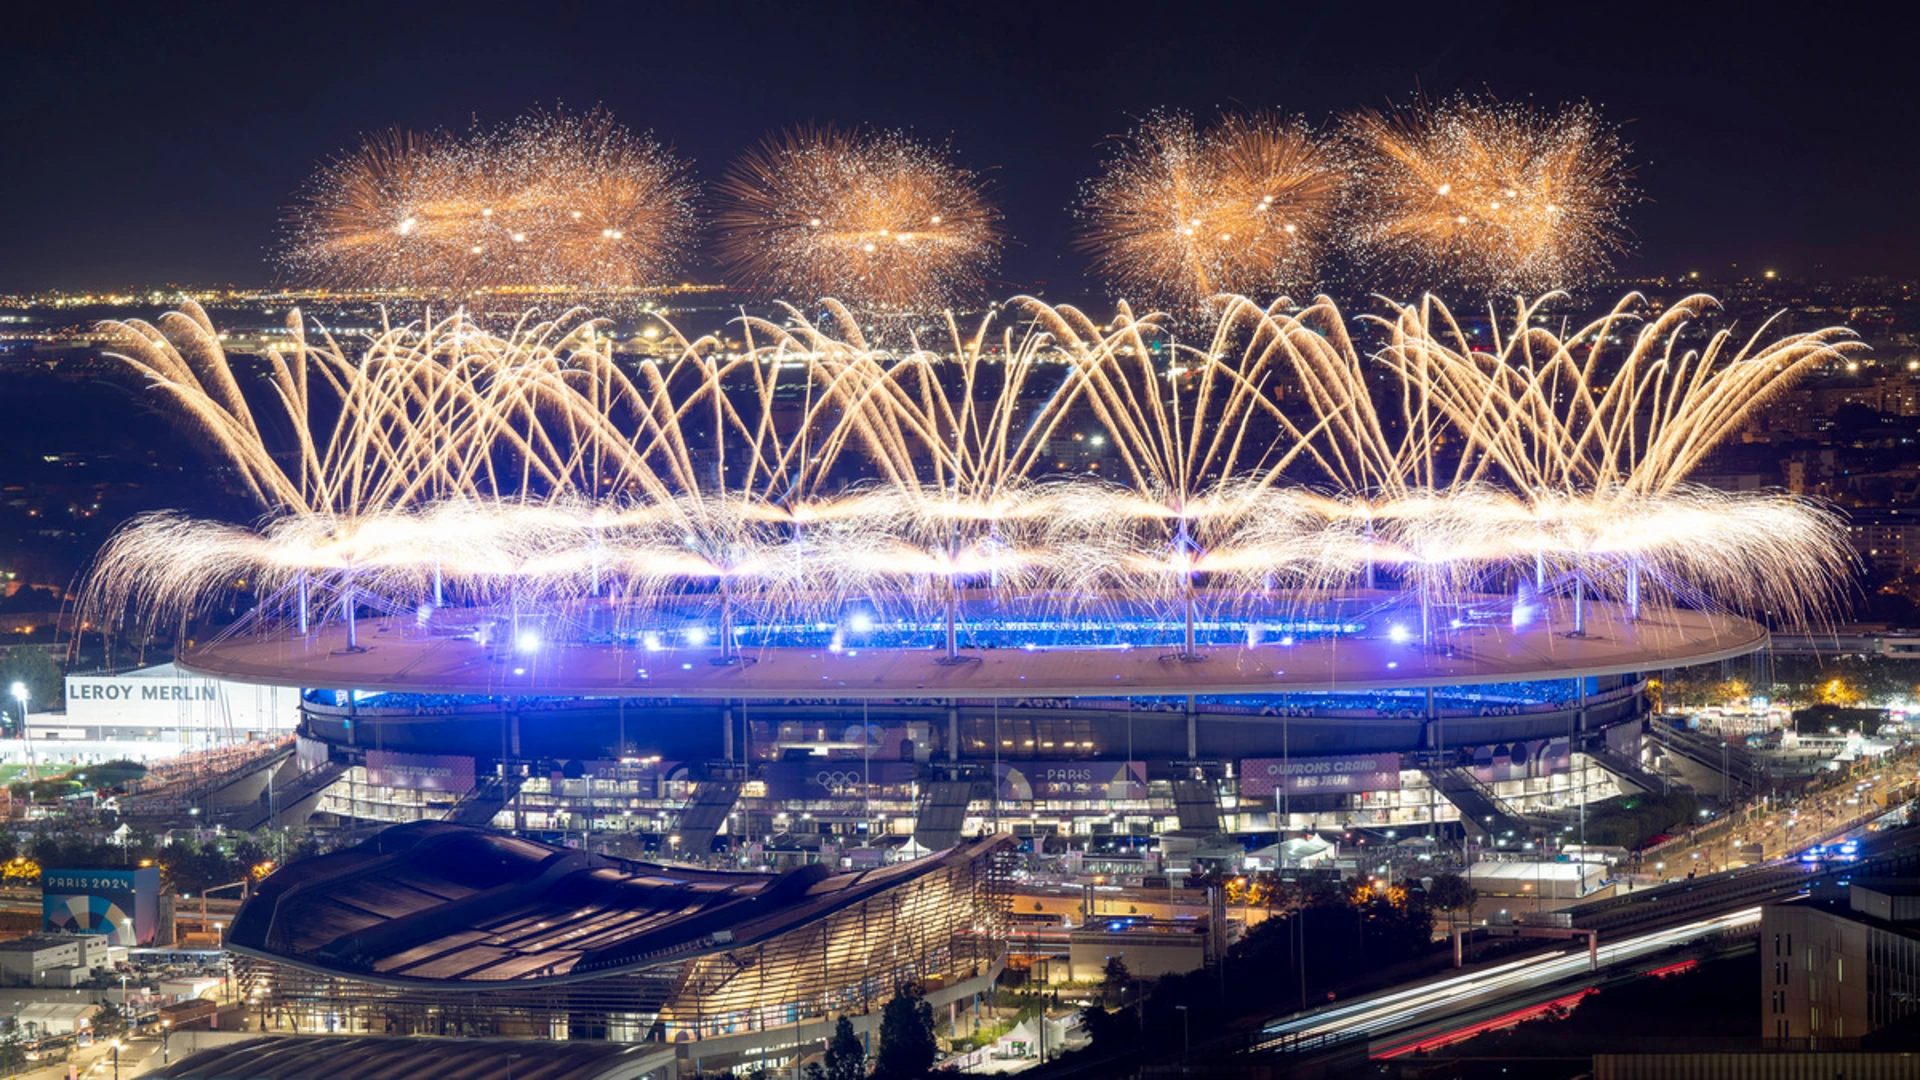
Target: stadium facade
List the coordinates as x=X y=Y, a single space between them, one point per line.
x=844 y=732
x=438 y=929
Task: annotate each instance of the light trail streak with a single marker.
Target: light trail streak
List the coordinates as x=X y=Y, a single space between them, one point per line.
x=1433 y=1001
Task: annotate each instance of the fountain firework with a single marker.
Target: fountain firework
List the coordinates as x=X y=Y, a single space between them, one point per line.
x=810 y=469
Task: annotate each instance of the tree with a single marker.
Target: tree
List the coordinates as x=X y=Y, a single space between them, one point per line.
x=13 y=1053
x=1450 y=893
x=39 y=672
x=846 y=1058
x=109 y=1022
x=907 y=1047
x=1114 y=980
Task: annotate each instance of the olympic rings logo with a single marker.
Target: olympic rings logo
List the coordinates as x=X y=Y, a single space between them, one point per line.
x=837 y=781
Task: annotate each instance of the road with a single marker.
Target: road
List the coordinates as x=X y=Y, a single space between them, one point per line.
x=1439 y=999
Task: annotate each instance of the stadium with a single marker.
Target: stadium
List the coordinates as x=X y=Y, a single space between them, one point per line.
x=1057 y=578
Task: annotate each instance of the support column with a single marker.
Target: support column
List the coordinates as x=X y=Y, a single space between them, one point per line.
x=1193 y=731
x=953 y=732
x=726 y=732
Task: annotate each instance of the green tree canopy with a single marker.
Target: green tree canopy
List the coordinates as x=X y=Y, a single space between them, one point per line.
x=907 y=1048
x=846 y=1058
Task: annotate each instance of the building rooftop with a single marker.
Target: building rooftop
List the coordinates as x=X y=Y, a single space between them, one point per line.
x=442 y=904
x=36 y=942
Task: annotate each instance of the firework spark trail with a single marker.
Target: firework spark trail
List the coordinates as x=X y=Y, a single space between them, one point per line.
x=549 y=200
x=527 y=466
x=872 y=217
x=1181 y=216
x=1503 y=197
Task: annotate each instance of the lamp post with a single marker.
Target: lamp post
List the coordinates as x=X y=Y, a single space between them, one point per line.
x=116 y=1059
x=22 y=695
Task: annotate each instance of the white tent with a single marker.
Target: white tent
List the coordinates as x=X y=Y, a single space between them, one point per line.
x=912 y=849
x=55 y=1017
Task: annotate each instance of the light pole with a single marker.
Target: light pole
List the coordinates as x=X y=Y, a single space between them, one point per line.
x=1186 y=1037
x=116 y=1059
x=22 y=695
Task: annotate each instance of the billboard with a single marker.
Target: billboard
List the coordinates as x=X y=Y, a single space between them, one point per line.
x=122 y=904
x=1262 y=778
x=1072 y=780
x=165 y=697
x=420 y=772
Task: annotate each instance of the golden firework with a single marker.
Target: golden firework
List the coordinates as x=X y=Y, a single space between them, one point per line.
x=1500 y=197
x=1182 y=215
x=550 y=201
x=531 y=465
x=873 y=218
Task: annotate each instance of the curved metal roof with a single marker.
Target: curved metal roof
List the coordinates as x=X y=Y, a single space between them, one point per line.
x=438 y=904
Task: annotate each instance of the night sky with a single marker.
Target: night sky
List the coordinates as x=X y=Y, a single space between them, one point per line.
x=146 y=146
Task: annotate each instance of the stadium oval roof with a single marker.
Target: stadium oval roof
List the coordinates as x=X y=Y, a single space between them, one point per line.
x=394 y=654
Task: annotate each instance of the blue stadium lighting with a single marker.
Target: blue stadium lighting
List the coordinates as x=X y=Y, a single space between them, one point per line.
x=860 y=622
x=697 y=636
x=1398 y=634
x=528 y=641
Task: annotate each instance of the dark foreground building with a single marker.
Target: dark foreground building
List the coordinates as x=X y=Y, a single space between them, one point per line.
x=437 y=929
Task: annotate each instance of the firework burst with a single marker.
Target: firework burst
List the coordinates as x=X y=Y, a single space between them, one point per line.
x=1181 y=215
x=1501 y=197
x=550 y=201
x=873 y=218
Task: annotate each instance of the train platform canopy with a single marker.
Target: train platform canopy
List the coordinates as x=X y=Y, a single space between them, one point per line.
x=373 y=1057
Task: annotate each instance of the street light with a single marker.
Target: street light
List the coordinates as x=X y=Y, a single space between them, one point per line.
x=22 y=695
x=116 y=1059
